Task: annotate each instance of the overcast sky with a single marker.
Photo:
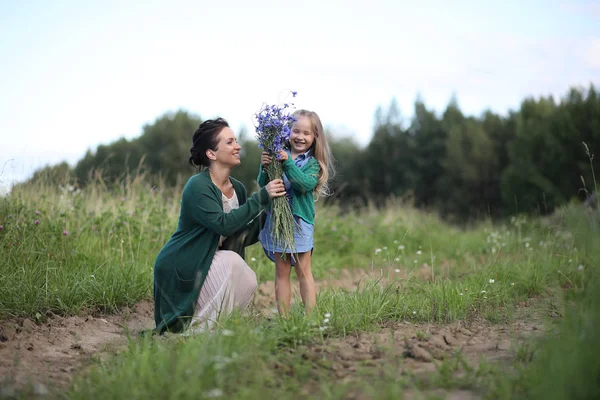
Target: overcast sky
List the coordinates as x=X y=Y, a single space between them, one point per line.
x=75 y=74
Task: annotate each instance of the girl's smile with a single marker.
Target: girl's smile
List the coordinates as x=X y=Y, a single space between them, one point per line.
x=302 y=135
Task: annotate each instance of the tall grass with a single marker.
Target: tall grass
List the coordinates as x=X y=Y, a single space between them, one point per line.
x=564 y=364
x=64 y=250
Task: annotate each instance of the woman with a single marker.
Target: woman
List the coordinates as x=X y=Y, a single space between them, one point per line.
x=200 y=273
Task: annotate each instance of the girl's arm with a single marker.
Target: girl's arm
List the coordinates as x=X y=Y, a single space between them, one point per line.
x=305 y=179
x=263 y=177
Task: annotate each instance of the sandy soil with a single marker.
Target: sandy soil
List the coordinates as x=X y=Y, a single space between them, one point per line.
x=47 y=355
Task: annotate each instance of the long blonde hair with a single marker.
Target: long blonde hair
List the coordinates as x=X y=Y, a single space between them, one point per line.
x=321 y=151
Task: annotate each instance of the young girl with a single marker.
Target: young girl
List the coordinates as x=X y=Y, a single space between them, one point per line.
x=307 y=168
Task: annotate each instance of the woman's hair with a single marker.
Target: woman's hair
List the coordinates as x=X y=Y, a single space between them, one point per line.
x=205 y=138
x=321 y=151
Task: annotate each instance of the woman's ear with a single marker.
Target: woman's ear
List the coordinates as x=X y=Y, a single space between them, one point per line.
x=211 y=154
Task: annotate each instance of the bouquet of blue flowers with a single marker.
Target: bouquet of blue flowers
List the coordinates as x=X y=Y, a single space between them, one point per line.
x=273 y=130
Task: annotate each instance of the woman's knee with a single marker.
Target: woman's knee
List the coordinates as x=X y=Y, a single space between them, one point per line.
x=251 y=277
x=241 y=267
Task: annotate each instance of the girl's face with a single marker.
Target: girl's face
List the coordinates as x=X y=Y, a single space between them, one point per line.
x=228 y=149
x=302 y=135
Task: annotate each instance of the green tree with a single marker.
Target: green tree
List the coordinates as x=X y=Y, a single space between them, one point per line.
x=161 y=150
x=469 y=166
x=536 y=160
x=425 y=167
x=387 y=158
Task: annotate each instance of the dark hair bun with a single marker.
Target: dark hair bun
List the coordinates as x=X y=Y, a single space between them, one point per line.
x=205 y=138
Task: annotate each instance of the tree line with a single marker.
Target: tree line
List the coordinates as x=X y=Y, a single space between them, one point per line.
x=464 y=167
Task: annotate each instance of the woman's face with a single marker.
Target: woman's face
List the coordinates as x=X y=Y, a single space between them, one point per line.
x=228 y=149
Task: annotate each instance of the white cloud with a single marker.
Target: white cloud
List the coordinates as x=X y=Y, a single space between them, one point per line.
x=592 y=55
x=589 y=8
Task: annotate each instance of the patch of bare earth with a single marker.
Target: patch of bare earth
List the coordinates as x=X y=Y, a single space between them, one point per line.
x=406 y=350
x=48 y=355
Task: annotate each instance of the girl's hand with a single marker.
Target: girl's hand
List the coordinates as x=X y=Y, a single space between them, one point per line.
x=275 y=188
x=283 y=155
x=265 y=159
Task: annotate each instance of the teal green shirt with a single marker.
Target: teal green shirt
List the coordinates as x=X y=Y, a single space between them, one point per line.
x=304 y=181
x=183 y=263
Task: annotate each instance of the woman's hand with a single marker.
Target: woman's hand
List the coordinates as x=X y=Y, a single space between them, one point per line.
x=275 y=188
x=265 y=159
x=283 y=155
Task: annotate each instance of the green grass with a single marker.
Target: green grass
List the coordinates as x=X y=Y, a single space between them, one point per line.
x=445 y=274
x=564 y=365
x=93 y=249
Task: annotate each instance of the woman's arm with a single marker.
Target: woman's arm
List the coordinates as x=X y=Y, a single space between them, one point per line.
x=246 y=237
x=206 y=209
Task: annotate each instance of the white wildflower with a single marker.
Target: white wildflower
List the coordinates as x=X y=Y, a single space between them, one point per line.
x=377 y=251
x=213 y=393
x=327 y=315
x=580 y=267
x=326 y=320
x=492 y=280
x=397 y=259
x=512 y=284
x=419 y=252
x=483 y=291
x=253 y=259
x=397 y=270
x=527 y=244
x=401 y=247
x=322 y=328
x=460 y=294
x=385 y=247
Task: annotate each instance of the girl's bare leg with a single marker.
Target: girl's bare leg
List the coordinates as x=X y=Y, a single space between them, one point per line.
x=307 y=282
x=283 y=287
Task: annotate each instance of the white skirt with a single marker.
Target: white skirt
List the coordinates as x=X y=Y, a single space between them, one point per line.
x=230 y=284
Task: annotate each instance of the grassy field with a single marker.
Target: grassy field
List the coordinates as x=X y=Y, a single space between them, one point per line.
x=66 y=252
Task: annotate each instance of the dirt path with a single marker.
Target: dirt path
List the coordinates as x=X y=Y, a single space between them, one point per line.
x=49 y=354
x=407 y=350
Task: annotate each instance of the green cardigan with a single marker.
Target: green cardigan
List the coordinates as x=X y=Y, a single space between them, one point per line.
x=304 y=181
x=183 y=263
